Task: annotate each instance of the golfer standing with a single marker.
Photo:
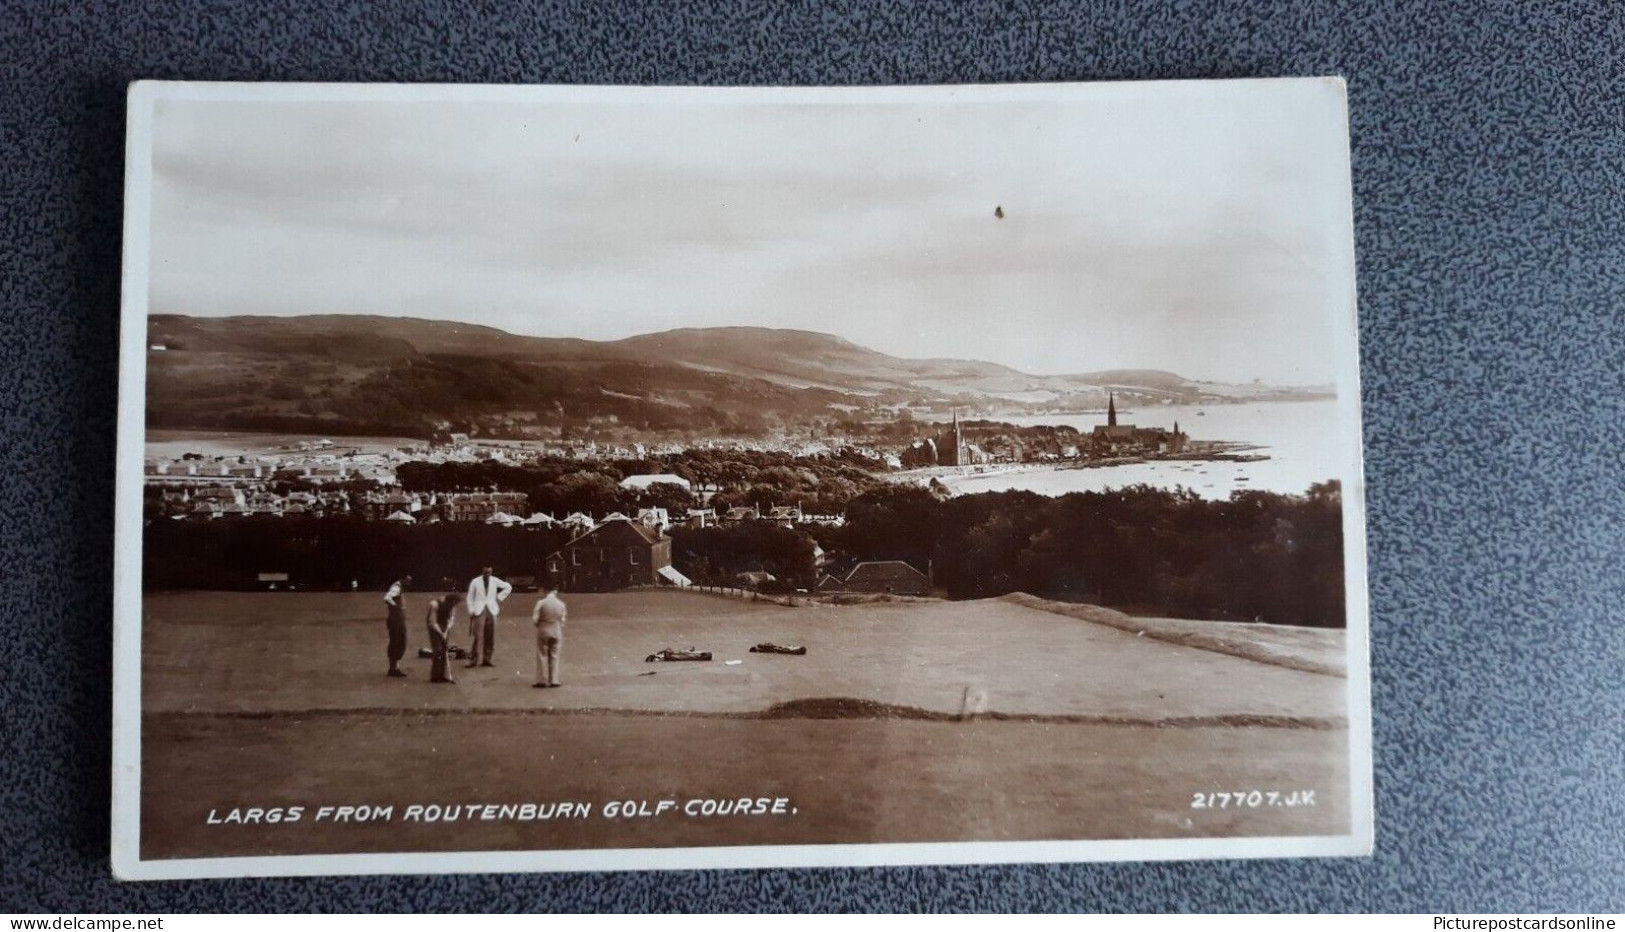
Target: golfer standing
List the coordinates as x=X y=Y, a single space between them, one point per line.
x=395 y=623
x=485 y=595
x=548 y=617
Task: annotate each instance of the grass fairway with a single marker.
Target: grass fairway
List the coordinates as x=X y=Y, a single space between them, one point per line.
x=1089 y=732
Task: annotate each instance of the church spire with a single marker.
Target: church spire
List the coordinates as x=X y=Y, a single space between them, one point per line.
x=1111 y=409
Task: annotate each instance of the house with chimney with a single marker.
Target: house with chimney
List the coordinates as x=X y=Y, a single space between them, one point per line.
x=655 y=519
x=481 y=506
x=739 y=514
x=615 y=554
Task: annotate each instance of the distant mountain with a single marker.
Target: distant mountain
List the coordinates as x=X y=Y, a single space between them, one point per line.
x=806 y=359
x=1140 y=378
x=369 y=374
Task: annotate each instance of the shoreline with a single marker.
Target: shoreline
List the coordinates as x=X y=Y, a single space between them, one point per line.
x=1231 y=452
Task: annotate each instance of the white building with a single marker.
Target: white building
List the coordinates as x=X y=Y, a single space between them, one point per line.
x=642 y=483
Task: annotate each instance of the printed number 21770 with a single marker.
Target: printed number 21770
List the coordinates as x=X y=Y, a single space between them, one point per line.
x=1252 y=799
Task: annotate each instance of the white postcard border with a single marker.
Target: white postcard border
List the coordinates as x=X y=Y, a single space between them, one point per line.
x=127 y=863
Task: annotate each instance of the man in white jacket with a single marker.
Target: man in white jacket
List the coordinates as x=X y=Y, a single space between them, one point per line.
x=485 y=595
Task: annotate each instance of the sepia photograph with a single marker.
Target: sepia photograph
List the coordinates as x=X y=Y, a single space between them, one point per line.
x=584 y=478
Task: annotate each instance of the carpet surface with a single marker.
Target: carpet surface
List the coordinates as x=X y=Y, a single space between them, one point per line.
x=1489 y=175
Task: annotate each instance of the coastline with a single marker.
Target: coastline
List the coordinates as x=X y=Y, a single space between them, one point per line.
x=1224 y=452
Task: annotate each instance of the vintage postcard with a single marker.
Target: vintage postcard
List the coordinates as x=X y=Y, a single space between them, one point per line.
x=565 y=478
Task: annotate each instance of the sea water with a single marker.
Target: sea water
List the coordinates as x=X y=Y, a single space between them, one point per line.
x=1304 y=440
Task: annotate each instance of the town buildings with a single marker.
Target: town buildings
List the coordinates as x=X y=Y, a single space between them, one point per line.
x=256 y=500
x=1115 y=437
x=947 y=448
x=614 y=555
x=643 y=483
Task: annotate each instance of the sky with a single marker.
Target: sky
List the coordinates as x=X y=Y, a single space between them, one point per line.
x=1201 y=228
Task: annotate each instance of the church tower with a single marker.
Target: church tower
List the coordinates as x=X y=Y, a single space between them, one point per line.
x=955 y=454
x=1111 y=409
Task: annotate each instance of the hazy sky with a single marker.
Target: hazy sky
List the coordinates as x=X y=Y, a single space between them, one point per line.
x=1198 y=228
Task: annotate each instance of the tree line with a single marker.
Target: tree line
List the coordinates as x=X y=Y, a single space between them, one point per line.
x=1255 y=556
x=560 y=485
x=334 y=553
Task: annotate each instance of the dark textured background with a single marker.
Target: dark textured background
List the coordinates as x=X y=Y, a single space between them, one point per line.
x=1488 y=150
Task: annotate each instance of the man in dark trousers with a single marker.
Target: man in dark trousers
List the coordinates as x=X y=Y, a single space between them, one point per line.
x=395 y=622
x=439 y=621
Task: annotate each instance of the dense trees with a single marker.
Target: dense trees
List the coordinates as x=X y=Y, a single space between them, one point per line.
x=716 y=555
x=1258 y=555
x=332 y=552
x=559 y=485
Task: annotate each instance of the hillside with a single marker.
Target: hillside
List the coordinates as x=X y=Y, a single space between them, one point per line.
x=371 y=375
x=802 y=358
